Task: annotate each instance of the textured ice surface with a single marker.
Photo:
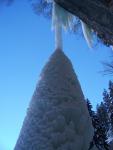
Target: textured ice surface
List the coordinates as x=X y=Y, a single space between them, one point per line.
x=57 y=117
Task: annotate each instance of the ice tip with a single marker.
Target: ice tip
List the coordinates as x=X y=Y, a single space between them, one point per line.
x=58 y=49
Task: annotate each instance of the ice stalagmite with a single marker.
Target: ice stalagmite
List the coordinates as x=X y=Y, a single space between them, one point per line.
x=57 y=117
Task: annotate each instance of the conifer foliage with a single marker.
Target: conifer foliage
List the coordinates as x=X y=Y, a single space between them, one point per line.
x=108 y=104
x=100 y=137
x=102 y=121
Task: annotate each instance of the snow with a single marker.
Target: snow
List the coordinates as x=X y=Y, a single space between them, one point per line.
x=57 y=117
x=109 y=134
x=110 y=139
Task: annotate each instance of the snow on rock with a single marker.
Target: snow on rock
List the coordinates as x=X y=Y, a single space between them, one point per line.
x=57 y=117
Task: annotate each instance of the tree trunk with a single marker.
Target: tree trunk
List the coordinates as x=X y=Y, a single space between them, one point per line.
x=96 y=13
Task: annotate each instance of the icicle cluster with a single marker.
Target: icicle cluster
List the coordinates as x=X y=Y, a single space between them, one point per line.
x=62 y=18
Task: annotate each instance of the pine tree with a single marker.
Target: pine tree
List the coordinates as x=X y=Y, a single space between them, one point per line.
x=101 y=127
x=111 y=103
x=108 y=102
x=103 y=116
x=100 y=137
x=91 y=113
x=89 y=105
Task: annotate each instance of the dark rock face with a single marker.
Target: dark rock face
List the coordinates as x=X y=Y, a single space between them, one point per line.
x=98 y=14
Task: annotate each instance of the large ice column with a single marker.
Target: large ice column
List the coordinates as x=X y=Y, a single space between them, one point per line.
x=57 y=117
x=60 y=19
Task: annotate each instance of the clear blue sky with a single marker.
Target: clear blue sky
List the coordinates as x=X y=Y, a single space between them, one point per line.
x=26 y=42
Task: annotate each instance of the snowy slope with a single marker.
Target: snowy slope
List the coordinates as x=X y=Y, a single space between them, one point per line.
x=57 y=117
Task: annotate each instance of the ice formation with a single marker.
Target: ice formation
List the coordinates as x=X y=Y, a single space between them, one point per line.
x=88 y=34
x=62 y=18
x=57 y=117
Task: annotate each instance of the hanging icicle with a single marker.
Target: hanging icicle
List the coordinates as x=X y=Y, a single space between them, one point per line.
x=61 y=16
x=58 y=37
x=57 y=27
x=60 y=19
x=63 y=19
x=88 y=34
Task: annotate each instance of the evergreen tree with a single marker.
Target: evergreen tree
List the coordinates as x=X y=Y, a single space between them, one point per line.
x=89 y=105
x=111 y=103
x=106 y=100
x=103 y=116
x=100 y=136
x=102 y=127
x=108 y=103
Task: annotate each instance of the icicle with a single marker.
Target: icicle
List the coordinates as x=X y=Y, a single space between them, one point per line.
x=58 y=37
x=87 y=34
x=62 y=18
x=57 y=26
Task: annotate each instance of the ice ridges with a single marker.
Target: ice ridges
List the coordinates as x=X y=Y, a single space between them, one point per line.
x=57 y=117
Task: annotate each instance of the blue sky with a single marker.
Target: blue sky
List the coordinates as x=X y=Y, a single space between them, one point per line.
x=26 y=42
